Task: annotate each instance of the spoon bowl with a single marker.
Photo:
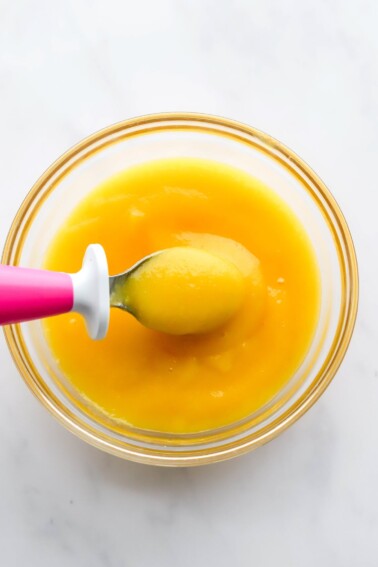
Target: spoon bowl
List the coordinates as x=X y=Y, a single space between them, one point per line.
x=180 y=291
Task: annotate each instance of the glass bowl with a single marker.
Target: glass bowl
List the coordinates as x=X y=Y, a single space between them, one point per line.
x=134 y=141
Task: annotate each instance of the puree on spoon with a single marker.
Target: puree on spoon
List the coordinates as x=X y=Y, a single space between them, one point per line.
x=182 y=291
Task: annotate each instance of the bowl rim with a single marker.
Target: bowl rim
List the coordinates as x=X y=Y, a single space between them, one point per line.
x=147 y=124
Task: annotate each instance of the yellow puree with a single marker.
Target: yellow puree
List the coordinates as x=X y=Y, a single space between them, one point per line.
x=183 y=290
x=189 y=383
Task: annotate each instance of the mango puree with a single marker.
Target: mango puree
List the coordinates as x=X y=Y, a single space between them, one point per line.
x=189 y=383
x=182 y=291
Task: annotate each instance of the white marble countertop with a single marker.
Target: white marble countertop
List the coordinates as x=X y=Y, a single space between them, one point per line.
x=304 y=71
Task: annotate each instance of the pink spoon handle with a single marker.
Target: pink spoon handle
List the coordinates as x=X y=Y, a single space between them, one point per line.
x=27 y=294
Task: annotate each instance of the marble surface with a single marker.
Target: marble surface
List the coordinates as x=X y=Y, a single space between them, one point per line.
x=306 y=72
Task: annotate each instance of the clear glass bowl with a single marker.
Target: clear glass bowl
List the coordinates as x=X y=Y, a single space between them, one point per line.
x=134 y=141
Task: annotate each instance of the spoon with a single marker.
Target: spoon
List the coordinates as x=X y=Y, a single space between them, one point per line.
x=179 y=291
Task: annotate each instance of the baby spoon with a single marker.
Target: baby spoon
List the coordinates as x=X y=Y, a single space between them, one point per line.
x=179 y=291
